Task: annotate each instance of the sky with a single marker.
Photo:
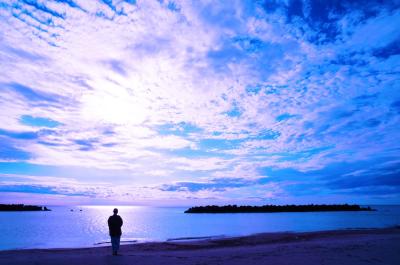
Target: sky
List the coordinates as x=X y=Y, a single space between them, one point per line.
x=178 y=103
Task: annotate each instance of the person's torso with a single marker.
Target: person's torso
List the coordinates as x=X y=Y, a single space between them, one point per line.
x=114 y=224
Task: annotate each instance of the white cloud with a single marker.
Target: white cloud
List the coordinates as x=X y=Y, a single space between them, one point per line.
x=113 y=81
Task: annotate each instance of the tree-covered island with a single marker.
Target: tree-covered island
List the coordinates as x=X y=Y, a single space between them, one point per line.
x=277 y=208
x=21 y=208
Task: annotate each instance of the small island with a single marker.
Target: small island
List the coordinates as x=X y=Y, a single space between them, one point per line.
x=21 y=208
x=277 y=208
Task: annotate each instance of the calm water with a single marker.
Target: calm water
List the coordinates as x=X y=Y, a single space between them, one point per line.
x=63 y=228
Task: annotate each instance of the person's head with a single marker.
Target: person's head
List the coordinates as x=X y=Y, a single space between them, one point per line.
x=115 y=211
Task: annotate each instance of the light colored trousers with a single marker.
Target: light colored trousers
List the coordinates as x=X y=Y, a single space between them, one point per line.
x=115 y=243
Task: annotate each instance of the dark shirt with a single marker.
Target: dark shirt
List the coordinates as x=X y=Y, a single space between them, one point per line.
x=114 y=225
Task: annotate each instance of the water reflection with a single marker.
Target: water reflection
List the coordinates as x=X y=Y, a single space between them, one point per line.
x=65 y=228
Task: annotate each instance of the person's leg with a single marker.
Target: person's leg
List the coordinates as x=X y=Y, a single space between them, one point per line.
x=114 y=245
x=117 y=242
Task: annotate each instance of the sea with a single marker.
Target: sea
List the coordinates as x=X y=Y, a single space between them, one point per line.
x=86 y=226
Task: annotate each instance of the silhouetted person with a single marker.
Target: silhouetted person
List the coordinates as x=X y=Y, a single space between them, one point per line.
x=114 y=225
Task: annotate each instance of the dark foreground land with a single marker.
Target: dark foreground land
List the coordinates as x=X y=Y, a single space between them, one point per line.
x=277 y=208
x=21 y=207
x=344 y=247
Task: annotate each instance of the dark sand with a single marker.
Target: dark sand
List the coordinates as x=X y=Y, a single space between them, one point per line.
x=372 y=246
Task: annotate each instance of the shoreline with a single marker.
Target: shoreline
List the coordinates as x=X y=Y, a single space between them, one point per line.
x=198 y=239
x=348 y=246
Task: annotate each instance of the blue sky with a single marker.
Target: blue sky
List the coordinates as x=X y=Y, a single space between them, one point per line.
x=188 y=103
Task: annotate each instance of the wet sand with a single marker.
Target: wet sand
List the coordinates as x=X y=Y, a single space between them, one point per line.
x=341 y=247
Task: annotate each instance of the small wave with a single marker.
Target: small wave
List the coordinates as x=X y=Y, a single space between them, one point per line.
x=122 y=242
x=195 y=238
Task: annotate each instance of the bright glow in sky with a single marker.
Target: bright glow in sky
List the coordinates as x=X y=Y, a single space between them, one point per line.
x=186 y=103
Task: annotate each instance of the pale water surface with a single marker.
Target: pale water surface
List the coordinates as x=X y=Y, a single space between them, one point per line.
x=64 y=228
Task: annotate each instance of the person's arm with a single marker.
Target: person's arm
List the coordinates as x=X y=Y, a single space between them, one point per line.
x=122 y=222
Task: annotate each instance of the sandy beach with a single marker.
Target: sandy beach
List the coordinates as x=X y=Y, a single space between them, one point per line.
x=372 y=246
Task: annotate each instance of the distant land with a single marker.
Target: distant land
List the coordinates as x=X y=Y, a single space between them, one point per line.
x=21 y=207
x=277 y=208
